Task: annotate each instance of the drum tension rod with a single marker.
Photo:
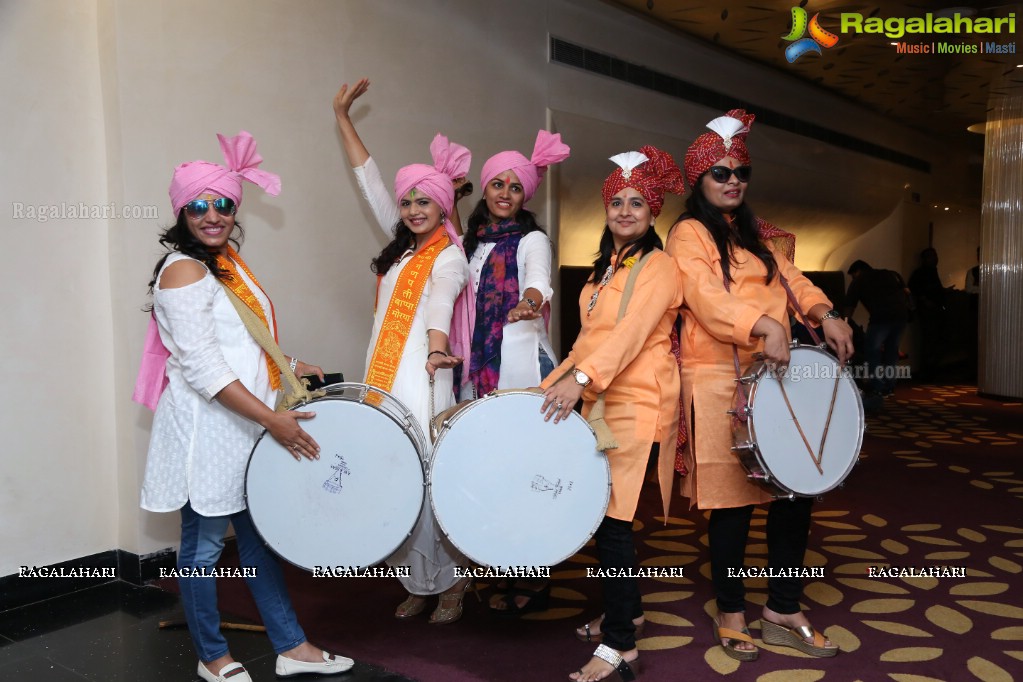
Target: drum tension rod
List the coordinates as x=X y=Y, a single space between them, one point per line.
x=743 y=446
x=746 y=411
x=746 y=380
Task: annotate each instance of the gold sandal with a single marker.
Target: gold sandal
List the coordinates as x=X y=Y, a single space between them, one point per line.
x=413 y=605
x=446 y=612
x=772 y=633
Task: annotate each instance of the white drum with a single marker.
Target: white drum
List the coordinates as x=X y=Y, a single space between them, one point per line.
x=800 y=436
x=510 y=489
x=360 y=500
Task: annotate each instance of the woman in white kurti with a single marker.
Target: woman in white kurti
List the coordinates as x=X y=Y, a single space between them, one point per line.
x=409 y=349
x=219 y=396
x=511 y=348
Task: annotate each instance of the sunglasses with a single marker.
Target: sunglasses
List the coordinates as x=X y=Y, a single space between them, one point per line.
x=197 y=208
x=722 y=174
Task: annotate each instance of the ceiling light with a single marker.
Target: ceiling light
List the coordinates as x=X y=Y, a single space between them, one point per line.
x=979 y=128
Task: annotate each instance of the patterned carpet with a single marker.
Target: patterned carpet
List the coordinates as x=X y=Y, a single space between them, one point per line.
x=939 y=485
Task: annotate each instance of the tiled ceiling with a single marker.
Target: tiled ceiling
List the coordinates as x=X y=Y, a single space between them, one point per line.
x=940 y=94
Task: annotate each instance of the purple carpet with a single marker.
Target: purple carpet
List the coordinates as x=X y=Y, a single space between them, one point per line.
x=939 y=485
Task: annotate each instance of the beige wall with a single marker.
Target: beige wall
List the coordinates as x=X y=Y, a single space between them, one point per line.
x=104 y=97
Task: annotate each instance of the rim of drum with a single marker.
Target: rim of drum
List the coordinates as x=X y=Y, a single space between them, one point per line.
x=447 y=428
x=751 y=425
x=337 y=396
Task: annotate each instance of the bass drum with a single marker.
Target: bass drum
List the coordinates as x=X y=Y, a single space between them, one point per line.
x=510 y=489
x=360 y=500
x=799 y=436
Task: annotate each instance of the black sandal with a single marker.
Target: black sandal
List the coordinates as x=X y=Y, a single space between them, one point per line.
x=538 y=600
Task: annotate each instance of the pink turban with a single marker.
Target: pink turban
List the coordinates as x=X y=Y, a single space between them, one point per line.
x=549 y=149
x=450 y=161
x=197 y=177
x=727 y=139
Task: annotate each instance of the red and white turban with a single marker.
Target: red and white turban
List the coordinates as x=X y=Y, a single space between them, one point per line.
x=650 y=171
x=728 y=138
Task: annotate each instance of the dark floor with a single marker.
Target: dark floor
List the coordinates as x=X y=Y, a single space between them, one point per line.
x=109 y=633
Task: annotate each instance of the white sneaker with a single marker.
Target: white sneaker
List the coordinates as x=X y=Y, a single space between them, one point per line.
x=232 y=672
x=286 y=667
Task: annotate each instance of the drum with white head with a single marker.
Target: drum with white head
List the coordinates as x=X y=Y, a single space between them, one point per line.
x=800 y=435
x=360 y=500
x=510 y=489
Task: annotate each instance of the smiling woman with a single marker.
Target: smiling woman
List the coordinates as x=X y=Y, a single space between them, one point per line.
x=622 y=362
x=214 y=392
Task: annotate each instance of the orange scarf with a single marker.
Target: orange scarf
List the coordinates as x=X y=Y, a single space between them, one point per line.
x=401 y=310
x=235 y=283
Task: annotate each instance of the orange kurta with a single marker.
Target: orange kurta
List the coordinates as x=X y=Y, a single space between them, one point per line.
x=712 y=320
x=631 y=363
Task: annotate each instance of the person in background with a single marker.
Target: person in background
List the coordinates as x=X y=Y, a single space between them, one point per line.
x=929 y=296
x=885 y=296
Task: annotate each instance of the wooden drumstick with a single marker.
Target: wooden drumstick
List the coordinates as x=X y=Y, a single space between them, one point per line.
x=224 y=625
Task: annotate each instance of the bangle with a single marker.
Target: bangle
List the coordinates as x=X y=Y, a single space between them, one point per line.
x=436 y=351
x=294 y=364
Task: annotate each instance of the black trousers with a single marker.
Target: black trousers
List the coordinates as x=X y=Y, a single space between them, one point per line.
x=788 y=527
x=616 y=550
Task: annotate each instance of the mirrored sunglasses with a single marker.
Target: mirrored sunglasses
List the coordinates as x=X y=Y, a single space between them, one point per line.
x=197 y=208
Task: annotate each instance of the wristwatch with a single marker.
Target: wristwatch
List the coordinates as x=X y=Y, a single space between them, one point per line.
x=831 y=315
x=531 y=303
x=581 y=378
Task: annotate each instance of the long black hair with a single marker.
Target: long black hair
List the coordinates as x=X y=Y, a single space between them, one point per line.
x=745 y=234
x=179 y=238
x=648 y=241
x=404 y=239
x=480 y=217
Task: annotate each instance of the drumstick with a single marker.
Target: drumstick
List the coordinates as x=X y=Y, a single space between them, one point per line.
x=827 y=424
x=795 y=420
x=224 y=625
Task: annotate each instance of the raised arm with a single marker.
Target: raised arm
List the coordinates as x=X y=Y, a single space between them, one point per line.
x=371 y=183
x=354 y=148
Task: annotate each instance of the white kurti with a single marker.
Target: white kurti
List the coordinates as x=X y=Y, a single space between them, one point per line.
x=520 y=356
x=199 y=449
x=428 y=553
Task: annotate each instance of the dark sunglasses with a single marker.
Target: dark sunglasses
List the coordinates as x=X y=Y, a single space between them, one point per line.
x=197 y=208
x=722 y=174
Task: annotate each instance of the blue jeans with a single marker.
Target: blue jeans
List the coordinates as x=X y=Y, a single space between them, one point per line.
x=882 y=351
x=202 y=540
x=546 y=364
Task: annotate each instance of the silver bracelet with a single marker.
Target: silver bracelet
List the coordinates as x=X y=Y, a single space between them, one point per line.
x=294 y=364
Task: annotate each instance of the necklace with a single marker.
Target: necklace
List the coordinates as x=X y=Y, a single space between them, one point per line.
x=600 y=287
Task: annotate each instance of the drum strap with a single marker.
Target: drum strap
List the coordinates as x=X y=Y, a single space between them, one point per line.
x=298 y=393
x=605 y=438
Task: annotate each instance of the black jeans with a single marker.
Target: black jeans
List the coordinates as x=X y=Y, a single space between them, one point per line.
x=788 y=526
x=616 y=550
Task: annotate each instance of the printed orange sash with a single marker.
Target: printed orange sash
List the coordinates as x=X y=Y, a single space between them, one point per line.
x=401 y=309
x=235 y=283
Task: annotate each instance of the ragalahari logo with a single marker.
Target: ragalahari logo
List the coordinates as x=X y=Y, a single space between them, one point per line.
x=818 y=36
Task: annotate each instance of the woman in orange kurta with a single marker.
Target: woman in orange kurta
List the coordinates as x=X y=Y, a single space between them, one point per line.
x=734 y=295
x=631 y=364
